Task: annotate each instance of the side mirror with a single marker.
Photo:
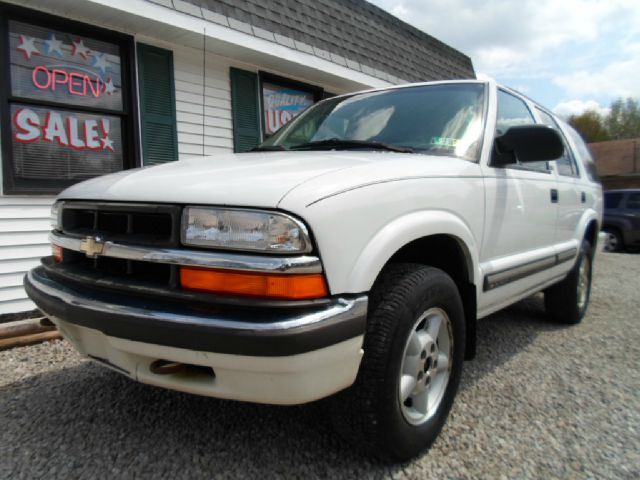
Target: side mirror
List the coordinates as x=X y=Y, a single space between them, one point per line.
x=527 y=143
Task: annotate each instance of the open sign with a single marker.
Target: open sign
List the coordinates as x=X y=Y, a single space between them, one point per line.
x=76 y=83
x=51 y=65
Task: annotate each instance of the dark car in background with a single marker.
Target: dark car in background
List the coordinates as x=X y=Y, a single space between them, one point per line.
x=621 y=219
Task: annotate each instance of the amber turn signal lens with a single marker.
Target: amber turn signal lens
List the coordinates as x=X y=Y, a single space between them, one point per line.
x=284 y=287
x=56 y=250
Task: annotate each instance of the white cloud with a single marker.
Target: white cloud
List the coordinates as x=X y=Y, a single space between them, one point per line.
x=617 y=79
x=569 y=52
x=502 y=35
x=401 y=11
x=576 y=107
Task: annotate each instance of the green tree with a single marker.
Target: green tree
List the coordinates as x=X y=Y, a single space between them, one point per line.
x=624 y=119
x=590 y=125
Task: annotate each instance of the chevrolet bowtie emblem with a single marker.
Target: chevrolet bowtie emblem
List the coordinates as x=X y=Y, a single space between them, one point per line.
x=92 y=246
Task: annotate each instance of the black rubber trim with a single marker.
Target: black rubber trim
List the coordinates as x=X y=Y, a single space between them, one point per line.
x=175 y=330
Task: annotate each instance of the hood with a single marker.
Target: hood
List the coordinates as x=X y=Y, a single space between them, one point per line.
x=249 y=179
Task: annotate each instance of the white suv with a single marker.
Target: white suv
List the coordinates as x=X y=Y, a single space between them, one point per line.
x=349 y=256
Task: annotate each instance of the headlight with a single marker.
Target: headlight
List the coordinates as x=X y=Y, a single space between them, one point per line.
x=251 y=230
x=54 y=218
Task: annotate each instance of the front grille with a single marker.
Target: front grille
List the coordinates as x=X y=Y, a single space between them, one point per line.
x=140 y=224
x=150 y=225
x=119 y=271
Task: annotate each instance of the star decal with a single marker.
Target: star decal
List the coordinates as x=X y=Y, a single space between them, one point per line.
x=27 y=47
x=53 y=45
x=107 y=143
x=79 y=48
x=109 y=87
x=100 y=61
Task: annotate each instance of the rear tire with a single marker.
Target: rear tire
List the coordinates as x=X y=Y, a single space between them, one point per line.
x=567 y=301
x=413 y=356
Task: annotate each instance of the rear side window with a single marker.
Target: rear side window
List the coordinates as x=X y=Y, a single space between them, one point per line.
x=513 y=111
x=583 y=154
x=566 y=164
x=633 y=201
x=612 y=200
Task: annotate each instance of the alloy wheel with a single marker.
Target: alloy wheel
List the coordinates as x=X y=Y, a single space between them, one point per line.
x=426 y=366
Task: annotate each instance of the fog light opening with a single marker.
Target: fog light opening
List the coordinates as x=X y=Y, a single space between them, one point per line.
x=167 y=367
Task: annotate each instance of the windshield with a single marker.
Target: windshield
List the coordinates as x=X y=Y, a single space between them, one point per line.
x=444 y=119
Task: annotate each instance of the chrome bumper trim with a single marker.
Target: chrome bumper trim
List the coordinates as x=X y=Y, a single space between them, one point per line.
x=342 y=310
x=196 y=258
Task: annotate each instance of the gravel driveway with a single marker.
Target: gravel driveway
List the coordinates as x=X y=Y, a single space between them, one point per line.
x=539 y=401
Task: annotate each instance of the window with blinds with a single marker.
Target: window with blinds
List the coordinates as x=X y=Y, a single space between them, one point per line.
x=67 y=107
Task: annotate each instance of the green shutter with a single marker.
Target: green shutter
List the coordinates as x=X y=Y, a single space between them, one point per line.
x=157 y=105
x=245 y=109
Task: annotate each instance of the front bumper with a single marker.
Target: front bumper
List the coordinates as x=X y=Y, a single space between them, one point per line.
x=285 y=356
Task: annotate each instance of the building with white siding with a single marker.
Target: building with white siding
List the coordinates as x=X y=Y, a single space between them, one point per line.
x=90 y=87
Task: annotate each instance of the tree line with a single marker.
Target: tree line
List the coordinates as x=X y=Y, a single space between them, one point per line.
x=622 y=121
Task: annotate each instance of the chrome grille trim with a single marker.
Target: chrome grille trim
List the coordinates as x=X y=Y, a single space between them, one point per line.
x=195 y=258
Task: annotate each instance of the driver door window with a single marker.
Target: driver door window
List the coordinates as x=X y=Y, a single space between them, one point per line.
x=512 y=111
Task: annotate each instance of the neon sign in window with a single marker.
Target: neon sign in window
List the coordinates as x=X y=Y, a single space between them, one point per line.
x=53 y=66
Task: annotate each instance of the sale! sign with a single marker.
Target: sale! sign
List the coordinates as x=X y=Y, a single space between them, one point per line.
x=58 y=144
x=66 y=131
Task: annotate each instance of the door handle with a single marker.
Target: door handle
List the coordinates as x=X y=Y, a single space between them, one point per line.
x=583 y=197
x=554 y=195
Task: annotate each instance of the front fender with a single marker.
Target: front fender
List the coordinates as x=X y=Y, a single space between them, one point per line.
x=358 y=231
x=402 y=231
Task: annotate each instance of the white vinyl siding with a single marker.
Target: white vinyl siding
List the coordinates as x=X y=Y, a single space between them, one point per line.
x=218 y=130
x=24 y=226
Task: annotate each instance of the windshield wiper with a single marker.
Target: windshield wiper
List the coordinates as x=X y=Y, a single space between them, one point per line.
x=268 y=148
x=338 y=143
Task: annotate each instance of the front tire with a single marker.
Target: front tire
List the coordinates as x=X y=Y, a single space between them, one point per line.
x=413 y=356
x=568 y=300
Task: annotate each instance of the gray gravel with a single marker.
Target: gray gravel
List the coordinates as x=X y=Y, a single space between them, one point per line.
x=539 y=401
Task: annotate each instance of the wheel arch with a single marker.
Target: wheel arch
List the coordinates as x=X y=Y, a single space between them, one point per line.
x=589 y=228
x=437 y=239
x=591 y=233
x=450 y=255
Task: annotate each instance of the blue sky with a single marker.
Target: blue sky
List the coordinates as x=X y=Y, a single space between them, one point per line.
x=569 y=55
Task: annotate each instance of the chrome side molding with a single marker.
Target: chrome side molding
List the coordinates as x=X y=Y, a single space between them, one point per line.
x=508 y=275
